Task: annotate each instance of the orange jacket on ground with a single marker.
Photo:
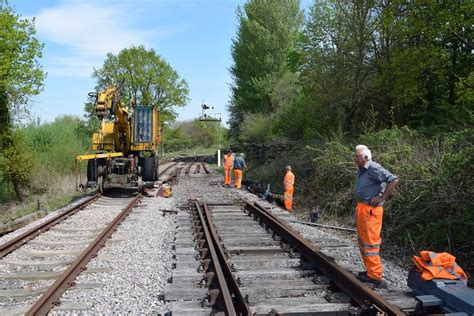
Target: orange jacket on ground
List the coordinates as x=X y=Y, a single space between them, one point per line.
x=438 y=266
x=228 y=161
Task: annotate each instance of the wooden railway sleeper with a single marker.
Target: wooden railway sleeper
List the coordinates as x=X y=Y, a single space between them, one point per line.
x=204 y=252
x=210 y=278
x=212 y=296
x=198 y=236
x=206 y=263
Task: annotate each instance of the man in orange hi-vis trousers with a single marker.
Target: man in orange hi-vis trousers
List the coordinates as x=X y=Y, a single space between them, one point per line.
x=228 y=165
x=288 y=185
x=369 y=196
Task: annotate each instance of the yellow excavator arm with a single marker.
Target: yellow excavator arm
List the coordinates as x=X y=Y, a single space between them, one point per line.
x=114 y=134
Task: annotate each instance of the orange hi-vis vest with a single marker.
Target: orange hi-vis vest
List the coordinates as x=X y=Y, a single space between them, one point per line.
x=228 y=161
x=442 y=265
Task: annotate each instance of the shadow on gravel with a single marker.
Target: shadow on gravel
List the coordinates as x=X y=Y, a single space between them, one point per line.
x=120 y=193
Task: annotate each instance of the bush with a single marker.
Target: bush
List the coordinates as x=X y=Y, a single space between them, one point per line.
x=44 y=155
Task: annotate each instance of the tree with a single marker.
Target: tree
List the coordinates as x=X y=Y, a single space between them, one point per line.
x=431 y=63
x=261 y=49
x=147 y=78
x=375 y=64
x=21 y=76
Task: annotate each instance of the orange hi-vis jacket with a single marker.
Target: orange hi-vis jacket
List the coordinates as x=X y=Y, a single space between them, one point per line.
x=288 y=183
x=289 y=180
x=228 y=161
x=438 y=266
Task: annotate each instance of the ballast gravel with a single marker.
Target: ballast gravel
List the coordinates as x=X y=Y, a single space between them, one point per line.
x=6 y=238
x=136 y=266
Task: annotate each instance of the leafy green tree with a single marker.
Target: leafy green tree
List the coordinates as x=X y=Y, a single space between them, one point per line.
x=339 y=47
x=256 y=128
x=370 y=65
x=191 y=134
x=91 y=124
x=431 y=63
x=265 y=39
x=21 y=76
x=147 y=78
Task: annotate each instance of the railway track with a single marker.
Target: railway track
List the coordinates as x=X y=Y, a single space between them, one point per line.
x=196 y=164
x=38 y=266
x=228 y=255
x=246 y=261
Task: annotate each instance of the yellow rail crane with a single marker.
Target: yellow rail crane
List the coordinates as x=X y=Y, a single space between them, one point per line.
x=125 y=147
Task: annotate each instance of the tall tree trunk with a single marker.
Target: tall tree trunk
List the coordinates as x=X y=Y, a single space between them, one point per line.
x=5 y=130
x=20 y=193
x=6 y=140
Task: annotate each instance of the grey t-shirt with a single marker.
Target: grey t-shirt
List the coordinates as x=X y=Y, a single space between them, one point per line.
x=369 y=181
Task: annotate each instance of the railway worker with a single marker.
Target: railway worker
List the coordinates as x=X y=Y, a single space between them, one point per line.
x=239 y=166
x=370 y=196
x=288 y=186
x=228 y=165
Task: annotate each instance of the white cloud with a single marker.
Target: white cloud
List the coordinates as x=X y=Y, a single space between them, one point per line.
x=78 y=35
x=91 y=28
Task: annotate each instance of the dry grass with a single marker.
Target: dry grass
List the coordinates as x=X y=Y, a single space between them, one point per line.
x=60 y=191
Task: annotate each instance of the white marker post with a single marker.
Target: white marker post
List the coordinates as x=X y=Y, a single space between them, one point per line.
x=218 y=157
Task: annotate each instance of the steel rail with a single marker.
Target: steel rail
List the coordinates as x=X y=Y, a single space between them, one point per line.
x=168 y=168
x=241 y=306
x=188 y=168
x=325 y=226
x=51 y=296
x=346 y=281
x=206 y=169
x=17 y=242
x=221 y=281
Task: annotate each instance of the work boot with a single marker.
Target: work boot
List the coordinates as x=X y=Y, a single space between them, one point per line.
x=362 y=273
x=366 y=279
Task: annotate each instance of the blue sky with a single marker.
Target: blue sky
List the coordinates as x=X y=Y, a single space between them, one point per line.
x=194 y=36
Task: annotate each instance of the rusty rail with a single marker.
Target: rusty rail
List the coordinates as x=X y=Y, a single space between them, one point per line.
x=13 y=244
x=188 y=168
x=224 y=291
x=167 y=168
x=239 y=301
x=360 y=293
x=50 y=297
x=326 y=226
x=204 y=166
